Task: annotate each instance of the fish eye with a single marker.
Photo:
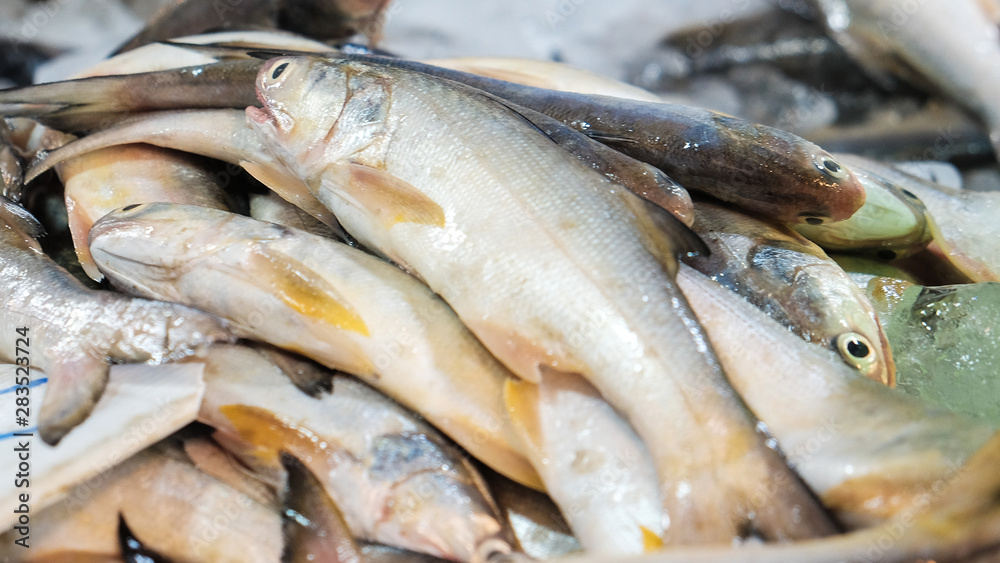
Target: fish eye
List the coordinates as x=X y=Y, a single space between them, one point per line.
x=857 y=351
x=278 y=70
x=830 y=167
x=886 y=255
x=814 y=220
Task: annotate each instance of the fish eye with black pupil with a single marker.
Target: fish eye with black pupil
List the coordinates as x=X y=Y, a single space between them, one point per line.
x=830 y=167
x=856 y=351
x=886 y=255
x=278 y=70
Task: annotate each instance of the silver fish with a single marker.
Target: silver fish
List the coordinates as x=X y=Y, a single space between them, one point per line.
x=579 y=278
x=796 y=284
x=394 y=478
x=335 y=304
x=77 y=331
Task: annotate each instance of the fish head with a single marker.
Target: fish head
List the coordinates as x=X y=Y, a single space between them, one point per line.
x=836 y=191
x=140 y=245
x=807 y=183
x=316 y=110
x=891 y=224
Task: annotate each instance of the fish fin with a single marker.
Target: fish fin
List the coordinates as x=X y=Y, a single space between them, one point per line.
x=308 y=376
x=665 y=236
x=651 y=541
x=79 y=222
x=524 y=356
x=75 y=385
x=390 y=200
x=609 y=139
x=521 y=399
x=302 y=290
x=22 y=223
x=312 y=523
x=291 y=188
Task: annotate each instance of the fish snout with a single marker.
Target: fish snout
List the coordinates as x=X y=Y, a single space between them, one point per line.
x=846 y=194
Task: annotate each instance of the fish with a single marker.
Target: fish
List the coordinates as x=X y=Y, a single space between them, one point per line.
x=551 y=75
x=869 y=452
x=78 y=331
x=580 y=277
x=11 y=173
x=795 y=282
x=536 y=521
x=393 y=477
x=222 y=134
x=187 y=17
x=104 y=180
x=86 y=104
x=227 y=139
x=594 y=466
x=766 y=170
x=320 y=19
x=769 y=171
x=950 y=45
x=335 y=304
x=186 y=515
x=315 y=530
x=962 y=223
x=891 y=224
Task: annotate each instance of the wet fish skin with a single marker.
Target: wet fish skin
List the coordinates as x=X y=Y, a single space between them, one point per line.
x=188 y=516
x=869 y=452
x=83 y=330
x=325 y=300
x=393 y=477
x=97 y=102
x=537 y=252
x=545 y=74
x=593 y=465
x=223 y=134
x=795 y=282
x=763 y=169
x=770 y=171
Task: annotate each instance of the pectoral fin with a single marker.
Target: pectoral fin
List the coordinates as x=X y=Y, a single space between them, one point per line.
x=75 y=385
x=303 y=291
x=665 y=236
x=291 y=188
x=383 y=196
x=521 y=399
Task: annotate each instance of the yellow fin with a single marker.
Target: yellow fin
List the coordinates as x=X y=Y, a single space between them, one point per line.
x=386 y=197
x=521 y=399
x=650 y=540
x=271 y=434
x=291 y=188
x=301 y=290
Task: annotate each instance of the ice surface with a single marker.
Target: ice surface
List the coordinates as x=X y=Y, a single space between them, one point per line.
x=946 y=343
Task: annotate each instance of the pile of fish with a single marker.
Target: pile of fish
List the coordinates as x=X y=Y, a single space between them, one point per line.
x=413 y=296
